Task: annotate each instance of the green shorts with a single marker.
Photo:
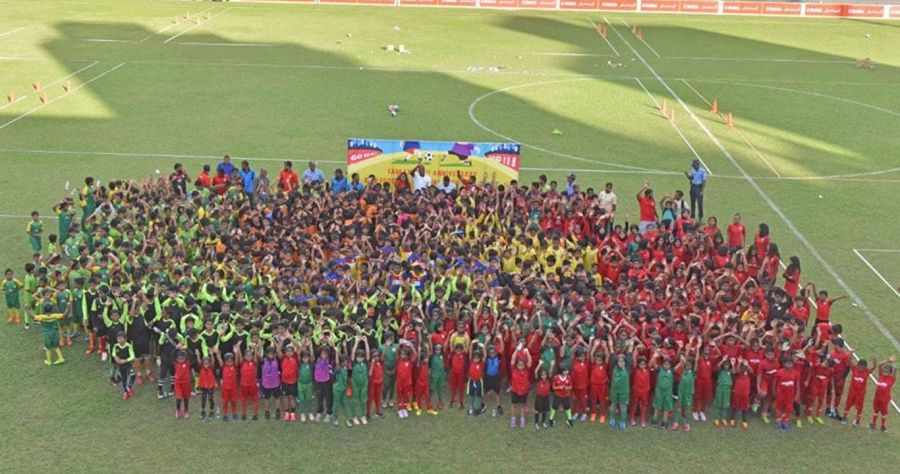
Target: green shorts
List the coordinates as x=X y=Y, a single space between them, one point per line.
x=662 y=401
x=35 y=243
x=723 y=398
x=686 y=400
x=619 y=398
x=13 y=304
x=304 y=392
x=51 y=341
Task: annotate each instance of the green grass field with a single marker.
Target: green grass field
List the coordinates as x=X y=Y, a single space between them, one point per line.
x=813 y=153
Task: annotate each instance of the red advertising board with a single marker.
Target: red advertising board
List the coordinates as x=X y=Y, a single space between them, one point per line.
x=775 y=8
x=699 y=6
x=418 y=2
x=617 y=5
x=741 y=8
x=864 y=11
x=824 y=9
x=500 y=3
x=578 y=4
x=537 y=3
x=455 y=3
x=660 y=5
x=894 y=11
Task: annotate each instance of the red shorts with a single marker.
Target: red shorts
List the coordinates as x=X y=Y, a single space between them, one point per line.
x=839 y=385
x=764 y=389
x=183 y=390
x=784 y=403
x=249 y=392
x=880 y=405
x=580 y=393
x=855 y=400
x=600 y=392
x=229 y=394
x=740 y=401
x=703 y=389
x=640 y=398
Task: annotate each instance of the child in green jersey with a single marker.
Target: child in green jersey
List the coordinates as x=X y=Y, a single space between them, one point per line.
x=359 y=380
x=619 y=392
x=339 y=388
x=305 y=386
x=49 y=322
x=34 y=228
x=662 y=394
x=11 y=289
x=29 y=286
x=685 y=400
x=722 y=402
x=438 y=376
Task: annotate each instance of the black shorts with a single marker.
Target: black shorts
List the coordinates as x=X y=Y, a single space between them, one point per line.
x=542 y=404
x=271 y=392
x=492 y=383
x=141 y=348
x=562 y=402
x=289 y=389
x=519 y=399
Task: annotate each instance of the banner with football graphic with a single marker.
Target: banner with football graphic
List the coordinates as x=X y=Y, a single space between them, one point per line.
x=386 y=159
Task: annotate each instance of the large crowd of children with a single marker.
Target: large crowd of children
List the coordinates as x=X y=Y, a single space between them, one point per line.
x=329 y=300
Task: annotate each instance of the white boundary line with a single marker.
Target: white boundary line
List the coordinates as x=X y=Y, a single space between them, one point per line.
x=19 y=99
x=197 y=25
x=7 y=33
x=14 y=216
x=604 y=37
x=880 y=250
x=768 y=200
x=642 y=40
x=167 y=28
x=675 y=126
x=764 y=60
x=484 y=127
x=20 y=117
x=877 y=273
x=106 y=40
x=255 y=45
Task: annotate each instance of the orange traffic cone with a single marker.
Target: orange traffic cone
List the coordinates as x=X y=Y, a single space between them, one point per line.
x=729 y=120
x=67 y=86
x=640 y=33
x=664 y=107
x=36 y=86
x=44 y=99
x=715 y=106
x=672 y=115
x=634 y=29
x=11 y=97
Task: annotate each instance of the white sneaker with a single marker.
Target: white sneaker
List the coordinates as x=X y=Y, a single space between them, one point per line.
x=702 y=416
x=584 y=417
x=696 y=416
x=104 y=356
x=356 y=421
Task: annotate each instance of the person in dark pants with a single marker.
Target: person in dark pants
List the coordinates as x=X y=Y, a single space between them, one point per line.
x=323 y=376
x=698 y=177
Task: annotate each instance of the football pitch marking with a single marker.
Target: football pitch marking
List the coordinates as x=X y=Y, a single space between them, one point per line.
x=768 y=200
x=736 y=130
x=675 y=126
x=19 y=99
x=60 y=97
x=762 y=60
x=642 y=41
x=10 y=32
x=604 y=38
x=217 y=15
x=875 y=270
x=256 y=45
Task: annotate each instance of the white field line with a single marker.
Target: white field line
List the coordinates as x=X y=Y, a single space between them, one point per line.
x=15 y=216
x=7 y=33
x=197 y=25
x=19 y=99
x=106 y=40
x=551 y=53
x=57 y=98
x=768 y=200
x=880 y=250
x=877 y=273
x=167 y=28
x=604 y=37
x=256 y=45
x=642 y=40
x=484 y=127
x=675 y=126
x=762 y=60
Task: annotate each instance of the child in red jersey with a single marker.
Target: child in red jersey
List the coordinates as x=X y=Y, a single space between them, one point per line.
x=599 y=385
x=376 y=385
x=519 y=385
x=229 y=387
x=182 y=385
x=856 y=395
x=822 y=373
x=207 y=388
x=562 y=395
x=423 y=385
x=457 y=375
x=290 y=364
x=765 y=382
x=541 y=398
x=249 y=390
x=841 y=356
x=580 y=379
x=640 y=392
x=475 y=382
x=404 y=369
x=703 y=385
x=740 y=392
x=886 y=378
x=787 y=392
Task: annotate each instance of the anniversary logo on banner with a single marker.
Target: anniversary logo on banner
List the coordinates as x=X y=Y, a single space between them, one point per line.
x=386 y=159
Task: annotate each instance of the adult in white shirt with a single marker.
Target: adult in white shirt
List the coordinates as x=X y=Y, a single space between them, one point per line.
x=608 y=203
x=421 y=180
x=446 y=186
